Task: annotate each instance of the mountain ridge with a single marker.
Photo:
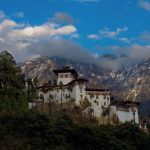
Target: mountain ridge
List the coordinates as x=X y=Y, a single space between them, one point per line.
x=125 y=84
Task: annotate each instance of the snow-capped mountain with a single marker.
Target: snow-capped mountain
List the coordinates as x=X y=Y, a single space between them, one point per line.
x=125 y=84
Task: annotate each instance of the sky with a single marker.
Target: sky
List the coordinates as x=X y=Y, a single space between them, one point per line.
x=77 y=29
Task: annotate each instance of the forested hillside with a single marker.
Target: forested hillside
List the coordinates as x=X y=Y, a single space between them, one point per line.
x=32 y=131
x=21 y=129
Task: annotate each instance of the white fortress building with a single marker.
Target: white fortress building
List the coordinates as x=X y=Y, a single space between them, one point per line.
x=69 y=86
x=125 y=111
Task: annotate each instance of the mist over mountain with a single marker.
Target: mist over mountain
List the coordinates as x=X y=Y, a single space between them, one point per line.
x=125 y=84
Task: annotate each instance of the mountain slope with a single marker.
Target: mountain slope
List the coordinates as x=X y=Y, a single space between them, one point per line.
x=125 y=84
x=42 y=69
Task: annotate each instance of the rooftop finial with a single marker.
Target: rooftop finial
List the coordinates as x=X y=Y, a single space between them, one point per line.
x=66 y=67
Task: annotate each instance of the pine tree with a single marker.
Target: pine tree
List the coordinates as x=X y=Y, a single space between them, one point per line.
x=12 y=85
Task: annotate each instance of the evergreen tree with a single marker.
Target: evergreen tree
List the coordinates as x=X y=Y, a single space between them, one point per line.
x=12 y=85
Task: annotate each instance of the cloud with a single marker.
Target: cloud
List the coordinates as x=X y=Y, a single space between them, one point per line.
x=113 y=62
x=61 y=48
x=42 y=31
x=144 y=4
x=124 y=39
x=109 y=34
x=2 y=14
x=75 y=36
x=61 y=17
x=93 y=36
x=145 y=36
x=48 y=39
x=7 y=25
x=19 y=14
x=139 y=52
x=125 y=56
x=135 y=52
x=53 y=39
x=17 y=37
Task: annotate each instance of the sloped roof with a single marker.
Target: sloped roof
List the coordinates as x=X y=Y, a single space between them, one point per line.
x=78 y=80
x=96 y=90
x=65 y=70
x=126 y=105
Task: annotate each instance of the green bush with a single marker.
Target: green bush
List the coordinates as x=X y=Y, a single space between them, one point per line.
x=33 y=131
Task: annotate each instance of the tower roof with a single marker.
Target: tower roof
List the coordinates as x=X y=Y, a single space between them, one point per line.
x=97 y=90
x=77 y=80
x=66 y=69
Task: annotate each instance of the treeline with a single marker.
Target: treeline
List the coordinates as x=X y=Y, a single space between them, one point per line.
x=33 y=131
x=13 y=98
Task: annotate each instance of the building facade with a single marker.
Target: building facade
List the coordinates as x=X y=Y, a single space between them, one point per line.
x=125 y=111
x=69 y=86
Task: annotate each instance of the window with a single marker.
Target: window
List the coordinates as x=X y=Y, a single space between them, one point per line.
x=61 y=76
x=104 y=96
x=66 y=76
x=97 y=97
x=97 y=103
x=105 y=104
x=81 y=95
x=91 y=96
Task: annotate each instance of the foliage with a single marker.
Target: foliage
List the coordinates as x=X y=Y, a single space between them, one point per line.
x=32 y=89
x=12 y=85
x=60 y=84
x=85 y=103
x=33 y=131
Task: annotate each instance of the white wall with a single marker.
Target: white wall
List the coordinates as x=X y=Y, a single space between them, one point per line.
x=125 y=115
x=78 y=92
x=65 y=80
x=98 y=103
x=31 y=105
